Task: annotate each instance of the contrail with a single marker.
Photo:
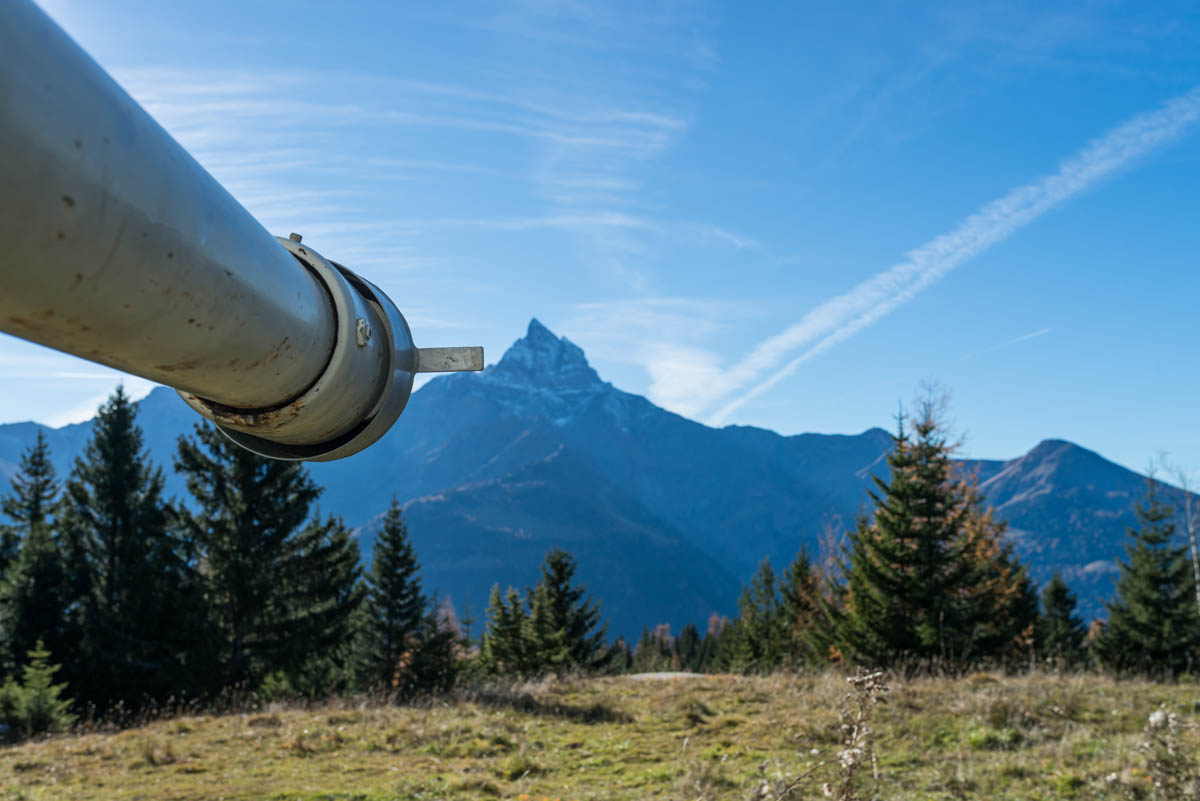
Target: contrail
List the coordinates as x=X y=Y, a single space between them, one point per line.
x=840 y=318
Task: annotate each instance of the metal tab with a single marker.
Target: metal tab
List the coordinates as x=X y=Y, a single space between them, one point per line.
x=449 y=360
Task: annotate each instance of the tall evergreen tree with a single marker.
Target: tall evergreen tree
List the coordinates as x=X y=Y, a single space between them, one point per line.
x=688 y=649
x=34 y=488
x=34 y=593
x=506 y=647
x=928 y=577
x=34 y=602
x=905 y=567
x=277 y=590
x=800 y=606
x=565 y=629
x=760 y=634
x=1153 y=625
x=401 y=622
x=32 y=500
x=1060 y=631
x=319 y=602
x=1000 y=602
x=128 y=568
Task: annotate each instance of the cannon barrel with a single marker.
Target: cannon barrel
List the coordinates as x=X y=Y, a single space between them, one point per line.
x=118 y=247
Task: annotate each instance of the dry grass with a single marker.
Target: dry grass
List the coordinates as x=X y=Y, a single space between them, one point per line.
x=986 y=736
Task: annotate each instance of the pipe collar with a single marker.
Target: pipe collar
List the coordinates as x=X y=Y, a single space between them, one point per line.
x=358 y=396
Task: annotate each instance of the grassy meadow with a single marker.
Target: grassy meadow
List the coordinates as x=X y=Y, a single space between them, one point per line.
x=717 y=737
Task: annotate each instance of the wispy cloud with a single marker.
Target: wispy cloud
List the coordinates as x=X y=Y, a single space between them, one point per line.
x=1010 y=342
x=841 y=317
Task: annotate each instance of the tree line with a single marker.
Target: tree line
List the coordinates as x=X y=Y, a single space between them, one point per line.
x=113 y=597
x=926 y=580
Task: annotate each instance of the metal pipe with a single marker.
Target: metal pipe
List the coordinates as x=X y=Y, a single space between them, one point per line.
x=118 y=247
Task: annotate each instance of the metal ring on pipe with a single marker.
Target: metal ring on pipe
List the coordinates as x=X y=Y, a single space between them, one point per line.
x=360 y=394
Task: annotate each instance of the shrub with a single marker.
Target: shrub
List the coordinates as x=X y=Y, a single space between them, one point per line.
x=34 y=705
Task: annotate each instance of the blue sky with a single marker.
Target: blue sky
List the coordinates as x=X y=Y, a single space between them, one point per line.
x=779 y=215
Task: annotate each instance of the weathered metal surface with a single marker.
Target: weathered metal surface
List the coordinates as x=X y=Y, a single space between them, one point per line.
x=362 y=391
x=119 y=248
x=449 y=360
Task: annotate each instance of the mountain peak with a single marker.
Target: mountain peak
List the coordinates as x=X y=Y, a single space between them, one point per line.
x=543 y=360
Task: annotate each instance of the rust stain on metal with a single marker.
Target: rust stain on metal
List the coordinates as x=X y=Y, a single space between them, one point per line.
x=61 y=235
x=171 y=368
x=68 y=201
x=78 y=280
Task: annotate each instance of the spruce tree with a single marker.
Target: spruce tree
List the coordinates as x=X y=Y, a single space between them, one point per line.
x=396 y=606
x=564 y=628
x=34 y=593
x=35 y=705
x=1060 y=631
x=127 y=567
x=435 y=665
x=928 y=576
x=655 y=650
x=34 y=487
x=905 y=567
x=800 y=607
x=277 y=589
x=319 y=600
x=34 y=601
x=31 y=502
x=505 y=645
x=688 y=649
x=1153 y=626
x=760 y=636
x=1000 y=605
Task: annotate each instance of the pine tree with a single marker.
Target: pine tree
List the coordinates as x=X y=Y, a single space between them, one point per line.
x=127 y=567
x=35 y=706
x=564 y=629
x=688 y=647
x=397 y=610
x=1153 y=626
x=34 y=593
x=34 y=601
x=800 y=607
x=435 y=659
x=34 y=488
x=505 y=648
x=905 y=567
x=1060 y=631
x=655 y=650
x=761 y=632
x=928 y=577
x=319 y=601
x=1000 y=602
x=32 y=500
x=277 y=589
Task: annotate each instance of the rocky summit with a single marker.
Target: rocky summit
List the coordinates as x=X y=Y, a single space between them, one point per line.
x=666 y=516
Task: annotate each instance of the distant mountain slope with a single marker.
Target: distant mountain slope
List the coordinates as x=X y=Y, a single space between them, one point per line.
x=666 y=516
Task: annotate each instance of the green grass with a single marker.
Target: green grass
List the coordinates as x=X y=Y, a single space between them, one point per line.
x=988 y=736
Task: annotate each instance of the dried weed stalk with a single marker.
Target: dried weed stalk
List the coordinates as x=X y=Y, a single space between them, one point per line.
x=867 y=688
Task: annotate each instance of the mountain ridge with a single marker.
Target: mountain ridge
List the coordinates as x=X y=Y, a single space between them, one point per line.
x=537 y=451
